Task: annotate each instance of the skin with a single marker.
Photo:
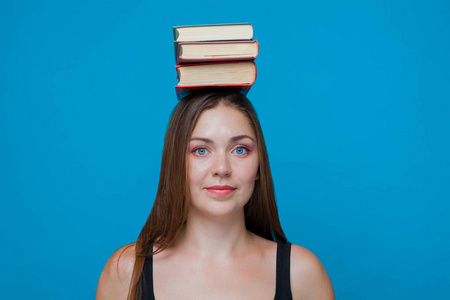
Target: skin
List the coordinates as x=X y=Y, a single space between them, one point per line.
x=222 y=151
x=215 y=257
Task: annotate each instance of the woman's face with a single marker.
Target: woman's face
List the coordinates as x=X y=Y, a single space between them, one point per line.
x=222 y=162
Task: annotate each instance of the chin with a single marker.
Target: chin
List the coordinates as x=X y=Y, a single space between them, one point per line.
x=219 y=209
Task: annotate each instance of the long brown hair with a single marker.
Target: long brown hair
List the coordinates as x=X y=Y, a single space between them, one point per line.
x=171 y=206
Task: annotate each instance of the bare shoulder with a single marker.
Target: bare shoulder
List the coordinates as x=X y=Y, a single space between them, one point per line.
x=309 y=279
x=115 y=279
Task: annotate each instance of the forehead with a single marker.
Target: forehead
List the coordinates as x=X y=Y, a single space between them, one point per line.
x=223 y=120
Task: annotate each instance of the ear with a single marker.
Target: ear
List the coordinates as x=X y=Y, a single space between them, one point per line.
x=257 y=175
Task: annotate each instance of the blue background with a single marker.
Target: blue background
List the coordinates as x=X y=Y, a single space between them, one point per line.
x=353 y=97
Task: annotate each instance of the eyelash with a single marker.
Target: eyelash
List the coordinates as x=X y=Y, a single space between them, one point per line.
x=195 y=151
x=246 y=151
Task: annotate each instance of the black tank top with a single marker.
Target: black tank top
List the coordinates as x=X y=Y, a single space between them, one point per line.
x=283 y=280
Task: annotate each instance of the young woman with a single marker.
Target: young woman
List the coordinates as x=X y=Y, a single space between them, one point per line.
x=213 y=231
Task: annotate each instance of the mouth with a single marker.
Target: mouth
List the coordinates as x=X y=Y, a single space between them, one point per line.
x=220 y=190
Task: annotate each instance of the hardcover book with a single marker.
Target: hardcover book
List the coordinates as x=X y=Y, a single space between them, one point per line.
x=191 y=52
x=216 y=32
x=237 y=75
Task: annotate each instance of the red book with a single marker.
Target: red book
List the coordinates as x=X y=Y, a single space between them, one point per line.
x=236 y=75
x=194 y=52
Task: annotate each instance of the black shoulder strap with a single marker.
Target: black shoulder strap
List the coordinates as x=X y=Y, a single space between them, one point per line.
x=283 y=285
x=147 y=277
x=283 y=275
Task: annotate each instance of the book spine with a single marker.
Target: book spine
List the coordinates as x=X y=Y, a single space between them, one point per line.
x=175 y=33
x=176 y=46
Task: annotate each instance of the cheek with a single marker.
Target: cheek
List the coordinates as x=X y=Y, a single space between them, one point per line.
x=249 y=172
x=196 y=172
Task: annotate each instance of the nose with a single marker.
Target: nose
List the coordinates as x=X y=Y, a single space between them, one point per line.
x=222 y=166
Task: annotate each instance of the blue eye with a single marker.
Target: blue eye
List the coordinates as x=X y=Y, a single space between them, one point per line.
x=200 y=151
x=241 y=150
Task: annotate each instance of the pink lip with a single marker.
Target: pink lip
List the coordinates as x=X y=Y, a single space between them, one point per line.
x=220 y=190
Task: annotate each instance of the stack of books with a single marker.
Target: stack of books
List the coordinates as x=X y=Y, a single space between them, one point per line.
x=210 y=56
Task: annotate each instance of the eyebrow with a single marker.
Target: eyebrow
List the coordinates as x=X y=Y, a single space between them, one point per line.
x=231 y=140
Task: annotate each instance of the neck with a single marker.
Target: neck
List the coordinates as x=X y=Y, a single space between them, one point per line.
x=214 y=237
